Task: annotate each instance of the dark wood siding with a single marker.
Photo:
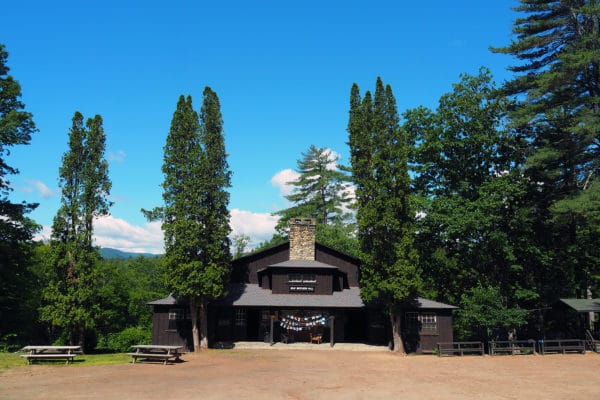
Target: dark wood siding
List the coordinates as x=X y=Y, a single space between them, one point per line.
x=245 y=268
x=424 y=341
x=163 y=334
x=346 y=264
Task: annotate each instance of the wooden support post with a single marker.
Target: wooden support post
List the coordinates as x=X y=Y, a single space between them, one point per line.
x=272 y=326
x=331 y=330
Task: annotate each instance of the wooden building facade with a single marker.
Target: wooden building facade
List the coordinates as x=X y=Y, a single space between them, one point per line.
x=299 y=291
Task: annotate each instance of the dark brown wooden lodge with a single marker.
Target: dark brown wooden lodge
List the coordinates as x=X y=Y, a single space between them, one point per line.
x=298 y=291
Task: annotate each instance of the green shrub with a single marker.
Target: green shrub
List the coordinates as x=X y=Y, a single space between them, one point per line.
x=122 y=341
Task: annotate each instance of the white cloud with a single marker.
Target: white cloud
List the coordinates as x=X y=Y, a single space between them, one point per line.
x=43 y=235
x=119 y=156
x=119 y=234
x=282 y=179
x=333 y=159
x=40 y=187
x=259 y=226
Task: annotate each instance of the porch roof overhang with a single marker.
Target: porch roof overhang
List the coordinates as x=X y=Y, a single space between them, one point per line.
x=583 y=305
x=252 y=295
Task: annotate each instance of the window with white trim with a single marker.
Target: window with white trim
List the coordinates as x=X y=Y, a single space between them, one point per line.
x=424 y=322
x=428 y=321
x=175 y=315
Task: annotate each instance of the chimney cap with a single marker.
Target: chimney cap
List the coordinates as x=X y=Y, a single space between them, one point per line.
x=303 y=221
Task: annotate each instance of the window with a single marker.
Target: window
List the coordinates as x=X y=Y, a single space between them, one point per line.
x=295 y=278
x=429 y=322
x=412 y=321
x=240 y=317
x=424 y=322
x=175 y=314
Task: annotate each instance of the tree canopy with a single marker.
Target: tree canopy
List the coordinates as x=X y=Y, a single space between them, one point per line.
x=320 y=191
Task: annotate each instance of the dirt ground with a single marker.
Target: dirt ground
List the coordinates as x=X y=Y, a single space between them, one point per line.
x=292 y=374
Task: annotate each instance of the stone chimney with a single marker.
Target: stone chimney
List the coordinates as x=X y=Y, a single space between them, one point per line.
x=302 y=238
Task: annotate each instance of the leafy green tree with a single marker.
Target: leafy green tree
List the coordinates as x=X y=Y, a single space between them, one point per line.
x=473 y=226
x=71 y=294
x=379 y=157
x=320 y=190
x=195 y=215
x=240 y=243
x=484 y=315
x=16 y=230
x=557 y=87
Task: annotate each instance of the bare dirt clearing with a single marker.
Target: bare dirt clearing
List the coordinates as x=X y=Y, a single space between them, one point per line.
x=293 y=374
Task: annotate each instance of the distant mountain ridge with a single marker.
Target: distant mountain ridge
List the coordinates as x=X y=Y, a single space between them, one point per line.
x=107 y=252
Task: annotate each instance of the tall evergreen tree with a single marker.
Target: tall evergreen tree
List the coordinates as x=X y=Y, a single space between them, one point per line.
x=195 y=216
x=379 y=157
x=71 y=295
x=557 y=84
x=320 y=190
x=16 y=230
x=216 y=255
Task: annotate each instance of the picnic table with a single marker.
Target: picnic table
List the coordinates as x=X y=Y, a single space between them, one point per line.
x=66 y=353
x=156 y=352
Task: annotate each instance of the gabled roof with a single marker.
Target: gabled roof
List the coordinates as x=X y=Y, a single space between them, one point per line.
x=303 y=264
x=583 y=305
x=420 y=303
x=170 y=300
x=286 y=244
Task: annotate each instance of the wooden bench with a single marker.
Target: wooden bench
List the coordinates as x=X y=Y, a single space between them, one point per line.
x=562 y=346
x=156 y=352
x=512 y=347
x=57 y=356
x=67 y=353
x=459 y=348
x=153 y=356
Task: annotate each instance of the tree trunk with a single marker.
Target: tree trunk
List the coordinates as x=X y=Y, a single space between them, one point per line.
x=395 y=319
x=81 y=336
x=194 y=315
x=203 y=326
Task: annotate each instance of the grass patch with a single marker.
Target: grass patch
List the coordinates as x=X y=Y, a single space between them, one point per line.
x=12 y=360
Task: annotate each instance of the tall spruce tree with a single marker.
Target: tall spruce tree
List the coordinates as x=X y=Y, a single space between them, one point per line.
x=71 y=294
x=16 y=230
x=195 y=216
x=319 y=191
x=557 y=84
x=379 y=157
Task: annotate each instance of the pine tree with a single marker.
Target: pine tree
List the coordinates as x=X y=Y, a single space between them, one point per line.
x=320 y=190
x=16 y=230
x=557 y=85
x=71 y=293
x=379 y=157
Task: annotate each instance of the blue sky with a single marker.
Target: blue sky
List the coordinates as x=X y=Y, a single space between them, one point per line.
x=282 y=70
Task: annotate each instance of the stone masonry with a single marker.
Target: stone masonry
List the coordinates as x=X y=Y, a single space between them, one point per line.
x=302 y=238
